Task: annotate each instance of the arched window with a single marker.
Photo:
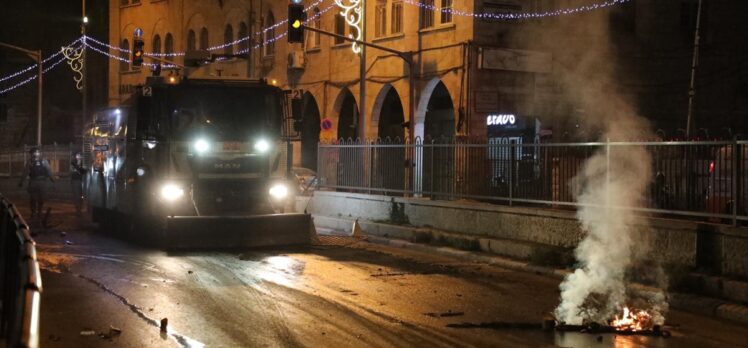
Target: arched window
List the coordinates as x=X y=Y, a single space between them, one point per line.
x=156 y=44
x=317 y=25
x=124 y=64
x=191 y=40
x=204 y=38
x=169 y=46
x=228 y=37
x=339 y=28
x=243 y=33
x=269 y=35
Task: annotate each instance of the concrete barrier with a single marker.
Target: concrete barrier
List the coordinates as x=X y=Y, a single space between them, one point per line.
x=524 y=233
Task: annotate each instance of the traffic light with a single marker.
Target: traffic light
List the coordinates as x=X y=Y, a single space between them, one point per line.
x=137 y=52
x=296 y=19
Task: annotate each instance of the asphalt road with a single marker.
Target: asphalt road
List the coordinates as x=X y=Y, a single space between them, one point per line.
x=342 y=292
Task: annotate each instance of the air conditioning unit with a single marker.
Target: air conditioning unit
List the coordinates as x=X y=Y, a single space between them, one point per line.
x=296 y=60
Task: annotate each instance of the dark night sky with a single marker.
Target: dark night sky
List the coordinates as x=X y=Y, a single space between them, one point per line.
x=49 y=24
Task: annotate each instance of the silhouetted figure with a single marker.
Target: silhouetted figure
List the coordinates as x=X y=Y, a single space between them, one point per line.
x=77 y=171
x=38 y=173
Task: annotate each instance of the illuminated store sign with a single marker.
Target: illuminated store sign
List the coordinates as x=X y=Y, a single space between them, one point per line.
x=501 y=120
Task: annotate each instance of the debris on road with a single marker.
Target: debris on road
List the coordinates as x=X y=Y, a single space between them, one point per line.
x=164 y=324
x=88 y=333
x=67 y=242
x=115 y=331
x=189 y=272
x=448 y=313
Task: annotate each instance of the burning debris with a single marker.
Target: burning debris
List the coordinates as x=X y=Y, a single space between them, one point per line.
x=611 y=182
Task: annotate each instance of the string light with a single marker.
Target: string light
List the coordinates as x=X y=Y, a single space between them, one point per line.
x=34 y=77
x=33 y=66
x=518 y=16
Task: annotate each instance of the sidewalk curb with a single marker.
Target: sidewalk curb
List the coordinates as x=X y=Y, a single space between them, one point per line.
x=686 y=302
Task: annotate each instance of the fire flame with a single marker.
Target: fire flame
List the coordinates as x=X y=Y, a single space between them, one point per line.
x=633 y=320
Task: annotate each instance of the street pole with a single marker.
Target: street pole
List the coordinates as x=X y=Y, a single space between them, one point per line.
x=694 y=65
x=39 y=99
x=362 y=73
x=84 y=107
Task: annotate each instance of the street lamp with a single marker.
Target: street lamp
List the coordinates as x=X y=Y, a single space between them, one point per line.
x=36 y=56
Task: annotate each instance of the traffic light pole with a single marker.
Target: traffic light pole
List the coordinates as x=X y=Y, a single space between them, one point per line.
x=406 y=56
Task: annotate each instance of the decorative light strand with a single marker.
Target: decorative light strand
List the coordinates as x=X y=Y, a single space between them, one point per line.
x=283 y=34
x=127 y=60
x=33 y=66
x=32 y=78
x=74 y=56
x=518 y=16
x=212 y=48
x=353 y=14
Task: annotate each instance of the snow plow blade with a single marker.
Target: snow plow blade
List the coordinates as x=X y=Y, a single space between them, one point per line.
x=233 y=232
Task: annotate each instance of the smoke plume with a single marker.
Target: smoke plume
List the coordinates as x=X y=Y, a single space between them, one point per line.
x=613 y=177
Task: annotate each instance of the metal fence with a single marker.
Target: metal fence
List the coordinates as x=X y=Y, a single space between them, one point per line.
x=706 y=180
x=13 y=162
x=21 y=280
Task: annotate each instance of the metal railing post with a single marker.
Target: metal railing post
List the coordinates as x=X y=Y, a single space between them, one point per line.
x=431 y=172
x=512 y=156
x=371 y=166
x=736 y=161
x=607 y=173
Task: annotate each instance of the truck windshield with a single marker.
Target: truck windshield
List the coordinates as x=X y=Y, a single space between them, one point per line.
x=224 y=113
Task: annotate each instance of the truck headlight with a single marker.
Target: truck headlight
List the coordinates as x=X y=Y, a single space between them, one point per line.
x=171 y=192
x=279 y=191
x=201 y=146
x=262 y=146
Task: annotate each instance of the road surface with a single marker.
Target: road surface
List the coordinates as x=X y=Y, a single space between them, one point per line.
x=343 y=292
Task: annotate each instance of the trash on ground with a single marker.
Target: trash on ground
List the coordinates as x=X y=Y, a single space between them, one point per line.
x=88 y=333
x=69 y=242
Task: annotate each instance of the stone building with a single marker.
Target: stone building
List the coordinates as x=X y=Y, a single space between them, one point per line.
x=471 y=76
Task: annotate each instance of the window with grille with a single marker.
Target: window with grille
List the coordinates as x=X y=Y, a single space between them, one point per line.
x=446 y=12
x=317 y=24
x=269 y=36
x=228 y=37
x=243 y=33
x=124 y=54
x=339 y=28
x=169 y=46
x=380 y=18
x=397 y=17
x=427 y=14
x=156 y=44
x=204 y=39
x=191 y=40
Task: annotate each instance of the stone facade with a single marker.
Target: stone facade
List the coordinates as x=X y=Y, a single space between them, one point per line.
x=465 y=69
x=446 y=53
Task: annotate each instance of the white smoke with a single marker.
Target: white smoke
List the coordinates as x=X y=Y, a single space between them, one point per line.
x=596 y=291
x=613 y=177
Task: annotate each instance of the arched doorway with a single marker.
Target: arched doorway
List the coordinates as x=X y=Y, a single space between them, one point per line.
x=438 y=126
x=310 y=132
x=391 y=116
x=348 y=116
x=351 y=160
x=389 y=174
x=440 y=114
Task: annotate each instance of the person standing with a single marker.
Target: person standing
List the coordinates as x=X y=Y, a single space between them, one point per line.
x=77 y=171
x=38 y=172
